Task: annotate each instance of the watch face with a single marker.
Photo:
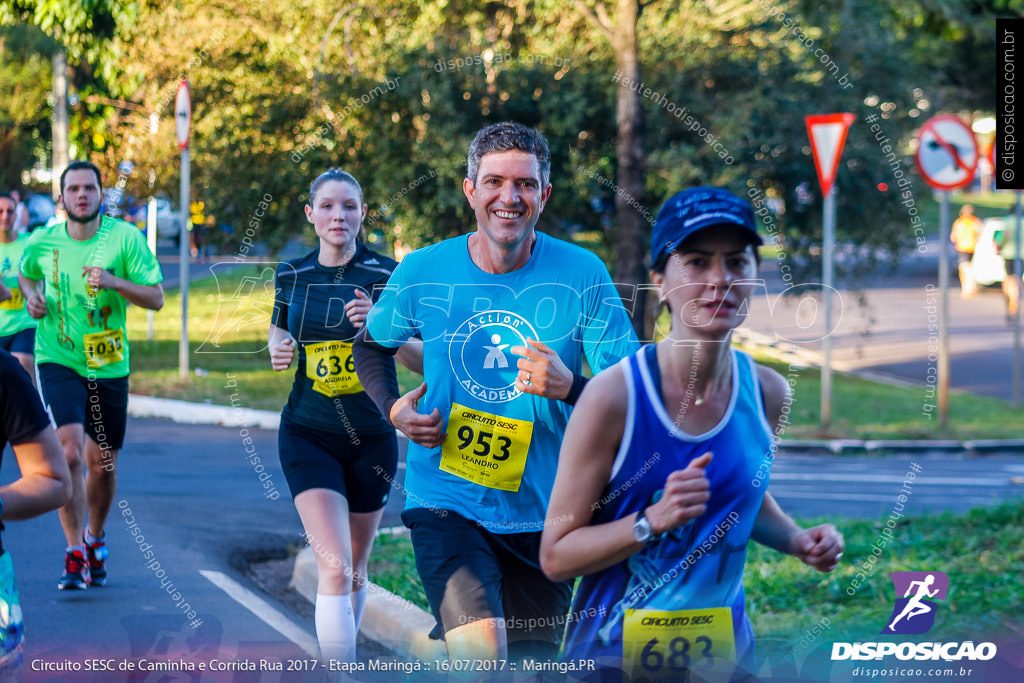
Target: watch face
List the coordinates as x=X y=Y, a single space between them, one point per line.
x=642 y=530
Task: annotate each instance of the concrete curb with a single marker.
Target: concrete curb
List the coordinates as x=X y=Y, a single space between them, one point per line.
x=201 y=413
x=850 y=446
x=229 y=416
x=389 y=620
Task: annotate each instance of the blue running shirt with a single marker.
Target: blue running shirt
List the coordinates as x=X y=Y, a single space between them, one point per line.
x=498 y=463
x=693 y=567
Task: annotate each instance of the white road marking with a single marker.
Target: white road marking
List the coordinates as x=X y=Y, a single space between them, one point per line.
x=921 y=500
x=892 y=479
x=264 y=610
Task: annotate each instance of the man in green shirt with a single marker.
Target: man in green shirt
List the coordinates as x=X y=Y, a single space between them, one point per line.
x=77 y=278
x=17 y=328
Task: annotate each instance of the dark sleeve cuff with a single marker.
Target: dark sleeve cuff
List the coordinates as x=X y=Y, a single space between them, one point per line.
x=375 y=366
x=386 y=412
x=578 y=382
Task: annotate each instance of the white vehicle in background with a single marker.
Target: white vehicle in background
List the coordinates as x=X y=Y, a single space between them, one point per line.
x=987 y=264
x=40 y=210
x=166 y=218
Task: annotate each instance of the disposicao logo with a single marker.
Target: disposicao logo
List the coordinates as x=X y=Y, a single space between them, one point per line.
x=913 y=614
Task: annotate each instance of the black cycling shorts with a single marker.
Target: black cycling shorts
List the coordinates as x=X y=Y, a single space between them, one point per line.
x=316 y=459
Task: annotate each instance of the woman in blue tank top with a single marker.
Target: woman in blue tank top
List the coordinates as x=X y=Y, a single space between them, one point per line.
x=664 y=465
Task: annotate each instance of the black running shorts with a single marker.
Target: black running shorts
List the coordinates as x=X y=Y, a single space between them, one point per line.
x=23 y=341
x=470 y=573
x=361 y=468
x=100 y=404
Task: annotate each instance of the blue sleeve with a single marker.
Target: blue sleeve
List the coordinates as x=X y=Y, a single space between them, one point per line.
x=608 y=334
x=390 y=322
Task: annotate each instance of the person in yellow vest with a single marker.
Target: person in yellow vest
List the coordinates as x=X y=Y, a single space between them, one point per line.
x=964 y=236
x=1005 y=241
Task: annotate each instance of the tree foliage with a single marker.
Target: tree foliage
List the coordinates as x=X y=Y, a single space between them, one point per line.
x=393 y=91
x=24 y=110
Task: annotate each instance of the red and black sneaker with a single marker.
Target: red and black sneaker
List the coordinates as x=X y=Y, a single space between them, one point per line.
x=76 y=571
x=97 y=553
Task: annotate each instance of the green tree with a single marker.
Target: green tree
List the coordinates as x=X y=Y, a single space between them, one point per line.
x=24 y=110
x=394 y=91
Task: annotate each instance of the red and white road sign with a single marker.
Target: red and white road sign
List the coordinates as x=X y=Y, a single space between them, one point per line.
x=828 y=135
x=183 y=114
x=947 y=152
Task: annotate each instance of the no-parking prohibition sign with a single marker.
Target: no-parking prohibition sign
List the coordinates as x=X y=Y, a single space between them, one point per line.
x=947 y=152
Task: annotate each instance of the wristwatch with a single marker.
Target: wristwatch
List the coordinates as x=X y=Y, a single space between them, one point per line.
x=642 y=528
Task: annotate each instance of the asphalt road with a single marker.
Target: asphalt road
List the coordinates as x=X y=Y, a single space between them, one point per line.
x=867 y=486
x=893 y=331
x=198 y=502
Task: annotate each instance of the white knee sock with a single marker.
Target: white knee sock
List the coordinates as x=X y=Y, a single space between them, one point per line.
x=335 y=627
x=359 y=603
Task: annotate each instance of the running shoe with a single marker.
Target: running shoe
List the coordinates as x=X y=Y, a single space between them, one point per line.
x=76 y=571
x=12 y=632
x=98 y=554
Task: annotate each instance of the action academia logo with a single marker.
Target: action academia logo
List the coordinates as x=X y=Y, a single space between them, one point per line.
x=481 y=357
x=914 y=612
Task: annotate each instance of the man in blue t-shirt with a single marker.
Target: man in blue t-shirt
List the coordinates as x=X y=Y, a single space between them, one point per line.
x=507 y=316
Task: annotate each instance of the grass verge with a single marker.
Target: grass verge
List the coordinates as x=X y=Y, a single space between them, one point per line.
x=981 y=551
x=393 y=566
x=229 y=316
x=862 y=409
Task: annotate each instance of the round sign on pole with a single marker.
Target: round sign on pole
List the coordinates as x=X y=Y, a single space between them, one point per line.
x=947 y=152
x=183 y=114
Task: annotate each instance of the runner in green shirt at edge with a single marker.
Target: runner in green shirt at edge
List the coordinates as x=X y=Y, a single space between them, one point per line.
x=77 y=278
x=17 y=328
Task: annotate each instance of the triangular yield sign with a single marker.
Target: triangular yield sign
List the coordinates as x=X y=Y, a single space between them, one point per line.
x=828 y=135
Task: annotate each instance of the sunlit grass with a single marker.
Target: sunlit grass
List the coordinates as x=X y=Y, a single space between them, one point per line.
x=228 y=323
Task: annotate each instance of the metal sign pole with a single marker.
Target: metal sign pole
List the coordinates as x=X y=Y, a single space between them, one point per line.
x=1019 y=284
x=828 y=245
x=827 y=133
x=184 y=254
x=944 y=229
x=151 y=241
x=946 y=156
